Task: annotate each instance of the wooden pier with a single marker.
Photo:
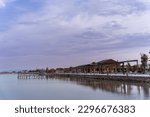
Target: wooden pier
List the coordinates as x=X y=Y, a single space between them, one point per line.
x=31 y=76
x=116 y=77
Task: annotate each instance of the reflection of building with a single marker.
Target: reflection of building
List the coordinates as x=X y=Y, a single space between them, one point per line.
x=111 y=86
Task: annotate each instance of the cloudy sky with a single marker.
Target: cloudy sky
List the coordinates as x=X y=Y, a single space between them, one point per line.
x=63 y=33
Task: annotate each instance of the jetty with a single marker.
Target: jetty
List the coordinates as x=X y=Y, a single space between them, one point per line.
x=28 y=75
x=116 y=77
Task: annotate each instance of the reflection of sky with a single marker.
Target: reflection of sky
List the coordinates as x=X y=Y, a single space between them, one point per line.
x=75 y=88
x=52 y=33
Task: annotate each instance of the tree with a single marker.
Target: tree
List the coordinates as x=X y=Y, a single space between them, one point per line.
x=144 y=60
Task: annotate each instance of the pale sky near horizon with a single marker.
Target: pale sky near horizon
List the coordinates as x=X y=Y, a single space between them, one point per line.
x=63 y=33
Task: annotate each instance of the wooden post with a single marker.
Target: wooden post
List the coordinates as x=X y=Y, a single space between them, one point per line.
x=123 y=68
x=137 y=66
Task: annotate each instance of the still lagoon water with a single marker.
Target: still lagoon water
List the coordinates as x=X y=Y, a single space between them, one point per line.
x=12 y=88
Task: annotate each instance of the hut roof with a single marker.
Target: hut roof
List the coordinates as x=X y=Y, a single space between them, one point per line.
x=59 y=68
x=107 y=61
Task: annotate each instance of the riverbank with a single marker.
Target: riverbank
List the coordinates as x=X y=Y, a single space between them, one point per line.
x=117 y=77
x=2 y=73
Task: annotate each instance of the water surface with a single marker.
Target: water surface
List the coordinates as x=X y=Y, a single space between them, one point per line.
x=70 y=88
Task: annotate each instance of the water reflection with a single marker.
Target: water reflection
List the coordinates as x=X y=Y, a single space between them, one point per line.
x=111 y=86
x=117 y=87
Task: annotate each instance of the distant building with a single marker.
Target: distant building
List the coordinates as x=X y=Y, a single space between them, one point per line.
x=60 y=70
x=50 y=71
x=108 y=66
x=104 y=66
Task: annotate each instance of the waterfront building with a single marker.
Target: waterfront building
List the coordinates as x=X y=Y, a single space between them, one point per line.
x=59 y=70
x=103 y=67
x=51 y=71
x=108 y=66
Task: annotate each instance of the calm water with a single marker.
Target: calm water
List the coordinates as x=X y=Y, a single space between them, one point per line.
x=70 y=88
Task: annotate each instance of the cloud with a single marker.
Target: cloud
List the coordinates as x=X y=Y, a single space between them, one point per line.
x=2 y=3
x=77 y=29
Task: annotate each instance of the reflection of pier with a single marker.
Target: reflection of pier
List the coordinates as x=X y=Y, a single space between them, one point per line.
x=119 y=87
x=104 y=84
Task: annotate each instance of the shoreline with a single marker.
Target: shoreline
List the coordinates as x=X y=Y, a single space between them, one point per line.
x=3 y=73
x=117 y=77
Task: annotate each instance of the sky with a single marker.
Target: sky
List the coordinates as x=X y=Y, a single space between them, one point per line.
x=63 y=33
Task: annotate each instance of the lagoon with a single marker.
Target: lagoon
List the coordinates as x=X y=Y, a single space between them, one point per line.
x=12 y=88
